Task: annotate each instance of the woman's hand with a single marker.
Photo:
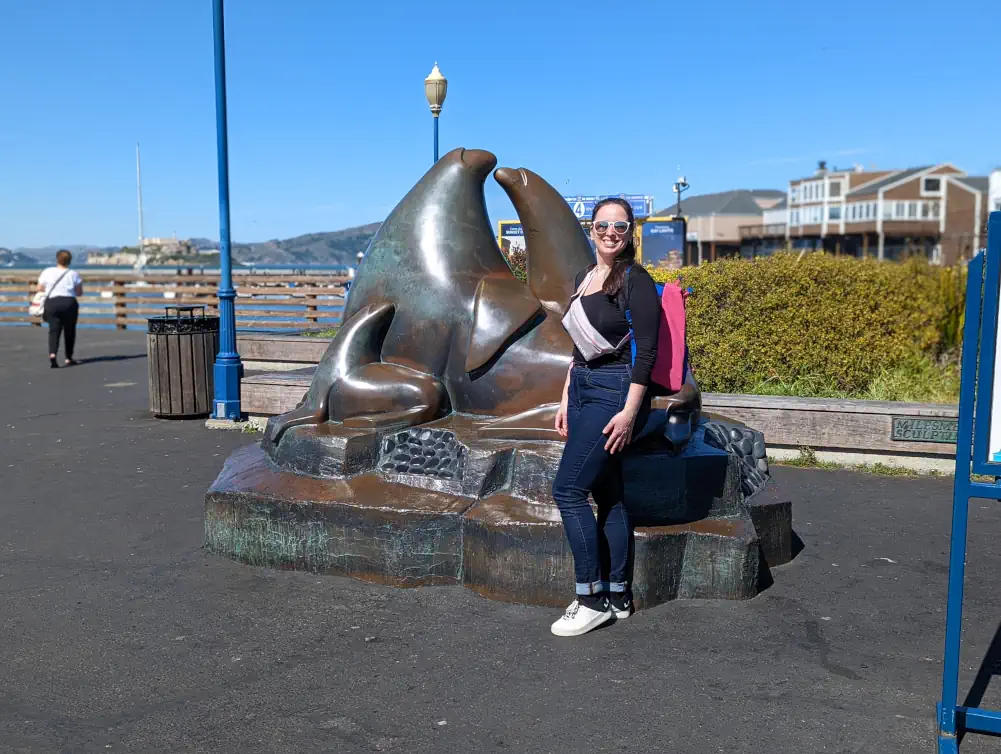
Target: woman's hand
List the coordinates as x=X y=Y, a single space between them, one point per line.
x=561 y=418
x=619 y=430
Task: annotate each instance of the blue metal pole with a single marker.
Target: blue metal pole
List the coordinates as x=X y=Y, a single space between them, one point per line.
x=948 y=728
x=228 y=369
x=436 y=138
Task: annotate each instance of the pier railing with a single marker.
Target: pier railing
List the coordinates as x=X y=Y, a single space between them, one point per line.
x=123 y=300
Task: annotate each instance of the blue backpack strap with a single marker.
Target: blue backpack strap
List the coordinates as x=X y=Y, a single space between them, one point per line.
x=629 y=317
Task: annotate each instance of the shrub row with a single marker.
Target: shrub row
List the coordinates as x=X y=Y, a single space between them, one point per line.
x=837 y=321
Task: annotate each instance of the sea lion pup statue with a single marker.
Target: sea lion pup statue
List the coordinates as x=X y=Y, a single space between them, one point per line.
x=436 y=322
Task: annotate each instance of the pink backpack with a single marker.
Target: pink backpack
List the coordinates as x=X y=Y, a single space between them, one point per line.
x=671 y=364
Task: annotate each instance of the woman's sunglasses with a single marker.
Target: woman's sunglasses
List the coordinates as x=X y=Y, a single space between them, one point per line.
x=620 y=226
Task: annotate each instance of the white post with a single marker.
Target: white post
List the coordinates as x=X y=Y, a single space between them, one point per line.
x=139 y=192
x=140 y=257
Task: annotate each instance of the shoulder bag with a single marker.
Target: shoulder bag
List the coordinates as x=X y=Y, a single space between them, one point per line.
x=37 y=306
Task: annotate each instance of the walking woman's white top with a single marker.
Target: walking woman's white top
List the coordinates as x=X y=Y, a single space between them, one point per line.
x=65 y=287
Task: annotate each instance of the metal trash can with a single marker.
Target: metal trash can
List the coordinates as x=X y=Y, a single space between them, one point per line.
x=181 y=350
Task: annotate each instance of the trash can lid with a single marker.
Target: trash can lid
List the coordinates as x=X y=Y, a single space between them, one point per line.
x=190 y=309
x=183 y=320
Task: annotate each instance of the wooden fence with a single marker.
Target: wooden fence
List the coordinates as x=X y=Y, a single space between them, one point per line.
x=122 y=300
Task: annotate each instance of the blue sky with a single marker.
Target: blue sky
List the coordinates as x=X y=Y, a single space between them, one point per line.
x=329 y=127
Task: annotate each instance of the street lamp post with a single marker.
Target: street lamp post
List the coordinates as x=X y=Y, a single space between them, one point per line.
x=680 y=186
x=435 y=86
x=228 y=369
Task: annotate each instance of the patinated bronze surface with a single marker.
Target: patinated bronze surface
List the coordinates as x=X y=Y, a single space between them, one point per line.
x=436 y=322
x=555 y=243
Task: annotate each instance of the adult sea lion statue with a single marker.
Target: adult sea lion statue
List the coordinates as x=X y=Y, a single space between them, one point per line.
x=556 y=247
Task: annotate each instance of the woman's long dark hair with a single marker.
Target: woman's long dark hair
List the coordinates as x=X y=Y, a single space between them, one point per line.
x=626 y=257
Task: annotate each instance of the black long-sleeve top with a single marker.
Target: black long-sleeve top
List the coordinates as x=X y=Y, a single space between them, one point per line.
x=607 y=317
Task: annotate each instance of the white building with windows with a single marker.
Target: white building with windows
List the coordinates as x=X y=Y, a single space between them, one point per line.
x=935 y=210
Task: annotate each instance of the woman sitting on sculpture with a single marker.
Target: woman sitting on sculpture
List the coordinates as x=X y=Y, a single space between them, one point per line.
x=605 y=406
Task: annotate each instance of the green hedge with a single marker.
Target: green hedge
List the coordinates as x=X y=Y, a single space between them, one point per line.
x=517 y=260
x=838 y=323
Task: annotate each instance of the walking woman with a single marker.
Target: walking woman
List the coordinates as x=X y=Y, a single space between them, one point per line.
x=605 y=406
x=62 y=287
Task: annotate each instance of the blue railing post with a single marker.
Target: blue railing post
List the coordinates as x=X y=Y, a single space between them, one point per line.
x=228 y=369
x=976 y=401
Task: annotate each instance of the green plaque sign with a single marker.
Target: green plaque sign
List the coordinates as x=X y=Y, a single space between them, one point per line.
x=908 y=429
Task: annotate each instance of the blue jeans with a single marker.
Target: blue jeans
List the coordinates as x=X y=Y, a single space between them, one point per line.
x=602 y=549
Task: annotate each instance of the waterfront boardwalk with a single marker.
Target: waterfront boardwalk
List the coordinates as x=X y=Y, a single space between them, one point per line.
x=119 y=634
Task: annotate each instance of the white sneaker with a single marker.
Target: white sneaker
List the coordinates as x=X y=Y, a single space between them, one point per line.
x=579 y=619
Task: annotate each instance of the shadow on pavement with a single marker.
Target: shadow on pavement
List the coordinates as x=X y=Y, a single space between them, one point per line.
x=96 y=359
x=797 y=545
x=989 y=667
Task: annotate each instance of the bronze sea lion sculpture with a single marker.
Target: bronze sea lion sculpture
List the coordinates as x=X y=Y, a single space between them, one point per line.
x=435 y=321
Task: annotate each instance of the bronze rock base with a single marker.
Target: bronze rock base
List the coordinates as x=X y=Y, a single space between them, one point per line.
x=488 y=522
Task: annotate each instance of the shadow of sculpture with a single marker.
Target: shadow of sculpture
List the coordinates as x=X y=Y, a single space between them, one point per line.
x=424 y=450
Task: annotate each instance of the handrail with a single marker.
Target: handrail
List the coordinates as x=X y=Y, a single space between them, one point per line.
x=124 y=299
x=762 y=231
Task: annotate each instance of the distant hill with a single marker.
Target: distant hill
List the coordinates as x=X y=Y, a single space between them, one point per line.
x=8 y=257
x=339 y=247
x=47 y=254
x=203 y=244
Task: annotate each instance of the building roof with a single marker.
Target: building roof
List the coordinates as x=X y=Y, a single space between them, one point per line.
x=897 y=175
x=781 y=205
x=975 y=182
x=737 y=202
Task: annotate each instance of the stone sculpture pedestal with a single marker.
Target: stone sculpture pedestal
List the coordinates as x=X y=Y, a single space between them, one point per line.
x=436 y=504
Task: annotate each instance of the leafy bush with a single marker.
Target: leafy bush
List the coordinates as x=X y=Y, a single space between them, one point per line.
x=921 y=380
x=517 y=260
x=918 y=380
x=818 y=323
x=328 y=333
x=952 y=289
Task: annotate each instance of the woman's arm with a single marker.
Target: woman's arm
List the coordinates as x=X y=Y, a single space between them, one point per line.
x=635 y=398
x=644 y=308
x=562 y=426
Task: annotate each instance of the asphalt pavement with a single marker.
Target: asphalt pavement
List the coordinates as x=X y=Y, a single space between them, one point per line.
x=120 y=634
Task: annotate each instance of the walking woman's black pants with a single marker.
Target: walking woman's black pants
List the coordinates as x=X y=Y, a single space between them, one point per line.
x=61 y=313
